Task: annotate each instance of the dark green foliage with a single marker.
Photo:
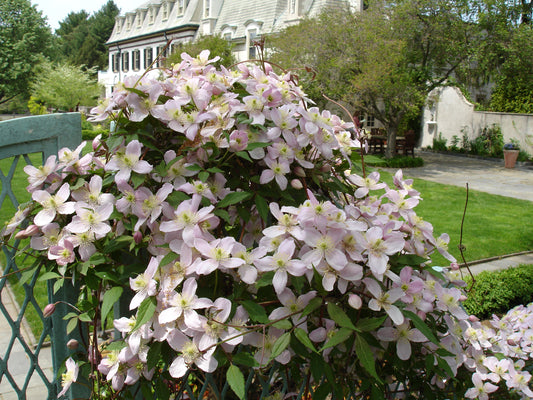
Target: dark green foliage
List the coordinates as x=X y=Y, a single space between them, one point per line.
x=498 y=292
x=217 y=46
x=82 y=37
x=25 y=40
x=439 y=143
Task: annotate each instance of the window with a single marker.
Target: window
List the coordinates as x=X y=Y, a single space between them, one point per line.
x=227 y=36
x=125 y=61
x=161 y=53
x=148 y=57
x=151 y=15
x=115 y=62
x=165 y=11
x=252 y=35
x=136 y=54
x=292 y=7
x=139 y=20
x=128 y=23
x=207 y=6
x=369 y=123
x=181 y=7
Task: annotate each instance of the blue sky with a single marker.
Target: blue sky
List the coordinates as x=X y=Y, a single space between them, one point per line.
x=57 y=10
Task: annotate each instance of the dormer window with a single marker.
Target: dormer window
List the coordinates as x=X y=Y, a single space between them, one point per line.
x=128 y=23
x=164 y=11
x=151 y=15
x=294 y=7
x=251 y=37
x=139 y=20
x=181 y=7
x=207 y=7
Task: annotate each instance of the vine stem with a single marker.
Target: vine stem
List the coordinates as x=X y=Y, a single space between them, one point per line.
x=461 y=246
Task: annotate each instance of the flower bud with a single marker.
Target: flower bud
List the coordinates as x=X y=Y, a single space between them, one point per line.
x=473 y=318
x=138 y=237
x=299 y=171
x=49 y=310
x=72 y=344
x=325 y=168
x=462 y=297
x=29 y=231
x=511 y=342
x=355 y=301
x=296 y=184
x=97 y=141
x=454 y=266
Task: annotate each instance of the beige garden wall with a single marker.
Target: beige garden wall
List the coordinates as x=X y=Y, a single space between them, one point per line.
x=449 y=114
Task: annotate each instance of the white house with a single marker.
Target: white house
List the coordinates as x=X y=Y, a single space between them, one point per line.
x=140 y=35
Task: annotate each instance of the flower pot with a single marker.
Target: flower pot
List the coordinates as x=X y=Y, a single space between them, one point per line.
x=510 y=157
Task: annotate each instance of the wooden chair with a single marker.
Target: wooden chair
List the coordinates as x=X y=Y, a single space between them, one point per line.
x=407 y=146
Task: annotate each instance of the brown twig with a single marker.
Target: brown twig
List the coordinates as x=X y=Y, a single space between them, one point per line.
x=461 y=246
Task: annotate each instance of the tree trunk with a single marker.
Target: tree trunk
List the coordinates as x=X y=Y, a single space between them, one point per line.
x=391 y=142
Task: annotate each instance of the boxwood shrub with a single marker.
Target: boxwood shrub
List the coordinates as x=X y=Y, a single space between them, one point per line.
x=498 y=292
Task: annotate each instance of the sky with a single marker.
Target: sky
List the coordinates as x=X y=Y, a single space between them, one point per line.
x=57 y=10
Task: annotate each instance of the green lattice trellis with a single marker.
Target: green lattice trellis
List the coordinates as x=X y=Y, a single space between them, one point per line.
x=21 y=357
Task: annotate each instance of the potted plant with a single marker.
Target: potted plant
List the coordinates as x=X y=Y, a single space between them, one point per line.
x=510 y=154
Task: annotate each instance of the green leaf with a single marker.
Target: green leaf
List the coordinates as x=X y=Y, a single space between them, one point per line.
x=85 y=317
x=340 y=317
x=303 y=337
x=203 y=176
x=145 y=312
x=280 y=345
x=243 y=154
x=154 y=353
x=233 y=198
x=49 y=275
x=214 y=170
x=27 y=275
x=245 y=359
x=117 y=244
x=255 y=311
x=236 y=380
x=111 y=296
x=256 y=145
x=366 y=357
x=370 y=324
x=410 y=259
x=118 y=345
x=421 y=326
x=72 y=324
x=283 y=324
x=265 y=279
x=322 y=392
x=137 y=179
x=313 y=304
x=338 y=337
x=262 y=207
x=169 y=257
x=223 y=214
x=194 y=167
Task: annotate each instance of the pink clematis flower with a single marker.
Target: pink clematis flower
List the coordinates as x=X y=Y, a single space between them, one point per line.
x=190 y=353
x=69 y=377
x=40 y=175
x=144 y=284
x=378 y=248
x=218 y=254
x=128 y=161
x=52 y=204
x=277 y=169
x=480 y=390
x=403 y=336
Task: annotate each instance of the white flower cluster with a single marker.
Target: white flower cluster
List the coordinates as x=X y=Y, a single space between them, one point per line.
x=197 y=176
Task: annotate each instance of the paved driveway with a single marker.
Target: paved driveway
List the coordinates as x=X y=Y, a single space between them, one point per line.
x=483 y=175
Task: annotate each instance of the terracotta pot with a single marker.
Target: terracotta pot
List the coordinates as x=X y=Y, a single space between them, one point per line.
x=510 y=157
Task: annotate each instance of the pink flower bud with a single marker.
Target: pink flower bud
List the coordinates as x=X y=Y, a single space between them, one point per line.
x=138 y=237
x=97 y=142
x=72 y=344
x=296 y=184
x=454 y=266
x=473 y=318
x=29 y=231
x=325 y=168
x=355 y=301
x=511 y=342
x=299 y=171
x=462 y=298
x=49 y=310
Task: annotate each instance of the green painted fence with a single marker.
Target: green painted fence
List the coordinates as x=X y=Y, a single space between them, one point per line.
x=24 y=357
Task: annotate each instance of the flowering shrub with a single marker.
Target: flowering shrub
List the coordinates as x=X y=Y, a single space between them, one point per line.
x=252 y=246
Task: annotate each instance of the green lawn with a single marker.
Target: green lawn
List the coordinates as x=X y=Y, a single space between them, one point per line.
x=494 y=225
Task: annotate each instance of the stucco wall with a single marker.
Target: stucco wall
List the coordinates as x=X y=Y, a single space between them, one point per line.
x=449 y=114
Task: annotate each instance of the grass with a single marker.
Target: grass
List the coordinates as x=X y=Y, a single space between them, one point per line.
x=493 y=226
x=7 y=210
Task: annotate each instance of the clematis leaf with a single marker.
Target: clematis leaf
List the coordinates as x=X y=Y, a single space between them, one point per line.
x=233 y=198
x=256 y=312
x=421 y=326
x=365 y=355
x=111 y=296
x=144 y=313
x=280 y=345
x=340 y=317
x=303 y=337
x=236 y=380
x=338 y=337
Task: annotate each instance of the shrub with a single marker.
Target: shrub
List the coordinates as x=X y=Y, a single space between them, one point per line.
x=498 y=292
x=439 y=143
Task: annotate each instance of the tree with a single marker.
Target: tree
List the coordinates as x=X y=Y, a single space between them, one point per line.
x=383 y=61
x=25 y=39
x=65 y=87
x=83 y=37
x=217 y=46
